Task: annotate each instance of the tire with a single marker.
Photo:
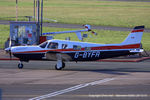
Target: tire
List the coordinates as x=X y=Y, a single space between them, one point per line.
x=20 y=66
x=58 y=68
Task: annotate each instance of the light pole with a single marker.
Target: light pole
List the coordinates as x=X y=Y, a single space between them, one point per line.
x=41 y=15
x=34 y=11
x=16 y=10
x=38 y=20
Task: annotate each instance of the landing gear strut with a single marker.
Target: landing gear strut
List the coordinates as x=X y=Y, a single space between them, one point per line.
x=20 y=65
x=60 y=65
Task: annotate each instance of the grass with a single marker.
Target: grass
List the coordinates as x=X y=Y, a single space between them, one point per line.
x=104 y=37
x=94 y=12
x=4 y=34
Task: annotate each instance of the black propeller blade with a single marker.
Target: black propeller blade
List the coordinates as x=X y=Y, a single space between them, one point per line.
x=10 y=54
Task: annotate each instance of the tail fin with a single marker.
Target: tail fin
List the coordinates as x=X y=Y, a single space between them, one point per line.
x=135 y=36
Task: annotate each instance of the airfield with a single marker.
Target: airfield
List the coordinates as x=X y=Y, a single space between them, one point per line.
x=83 y=80
x=107 y=80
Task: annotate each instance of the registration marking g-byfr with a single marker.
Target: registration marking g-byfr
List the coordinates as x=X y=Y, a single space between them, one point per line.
x=87 y=54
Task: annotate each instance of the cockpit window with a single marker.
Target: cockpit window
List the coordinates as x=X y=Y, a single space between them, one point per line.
x=43 y=45
x=53 y=45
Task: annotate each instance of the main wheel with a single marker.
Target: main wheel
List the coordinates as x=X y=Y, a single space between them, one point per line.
x=58 y=68
x=20 y=65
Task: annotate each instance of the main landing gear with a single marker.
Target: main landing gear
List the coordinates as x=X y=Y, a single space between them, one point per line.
x=20 y=65
x=59 y=65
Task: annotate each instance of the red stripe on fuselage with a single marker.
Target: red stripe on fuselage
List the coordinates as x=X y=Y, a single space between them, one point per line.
x=132 y=46
x=140 y=30
x=116 y=47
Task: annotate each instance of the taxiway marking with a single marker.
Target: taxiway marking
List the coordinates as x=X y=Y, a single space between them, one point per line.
x=72 y=89
x=119 y=95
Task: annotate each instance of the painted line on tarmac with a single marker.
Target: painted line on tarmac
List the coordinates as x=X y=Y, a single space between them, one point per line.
x=119 y=95
x=72 y=89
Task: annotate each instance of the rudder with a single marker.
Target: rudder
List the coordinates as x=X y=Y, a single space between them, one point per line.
x=135 y=36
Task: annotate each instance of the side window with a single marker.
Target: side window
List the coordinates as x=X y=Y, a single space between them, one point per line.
x=64 y=46
x=87 y=48
x=53 y=45
x=76 y=47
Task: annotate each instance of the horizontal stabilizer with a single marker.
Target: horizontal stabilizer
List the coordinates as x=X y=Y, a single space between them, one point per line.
x=136 y=50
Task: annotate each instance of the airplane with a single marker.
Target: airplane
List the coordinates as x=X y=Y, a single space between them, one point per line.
x=64 y=50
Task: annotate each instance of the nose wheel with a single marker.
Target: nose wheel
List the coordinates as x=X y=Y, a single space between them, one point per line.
x=20 y=65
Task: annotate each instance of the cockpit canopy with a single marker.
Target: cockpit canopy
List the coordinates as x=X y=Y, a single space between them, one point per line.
x=49 y=45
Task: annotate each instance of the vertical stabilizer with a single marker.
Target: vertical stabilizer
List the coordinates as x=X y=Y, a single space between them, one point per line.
x=135 y=36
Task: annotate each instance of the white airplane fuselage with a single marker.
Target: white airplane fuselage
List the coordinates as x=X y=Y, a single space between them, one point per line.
x=78 y=51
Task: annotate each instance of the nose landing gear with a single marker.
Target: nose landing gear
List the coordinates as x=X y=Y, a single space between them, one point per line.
x=20 y=65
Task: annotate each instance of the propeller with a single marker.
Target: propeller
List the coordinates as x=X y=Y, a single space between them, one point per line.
x=10 y=54
x=8 y=50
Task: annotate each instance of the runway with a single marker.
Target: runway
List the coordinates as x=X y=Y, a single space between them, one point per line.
x=84 y=80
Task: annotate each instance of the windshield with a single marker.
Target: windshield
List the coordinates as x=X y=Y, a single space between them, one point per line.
x=43 y=45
